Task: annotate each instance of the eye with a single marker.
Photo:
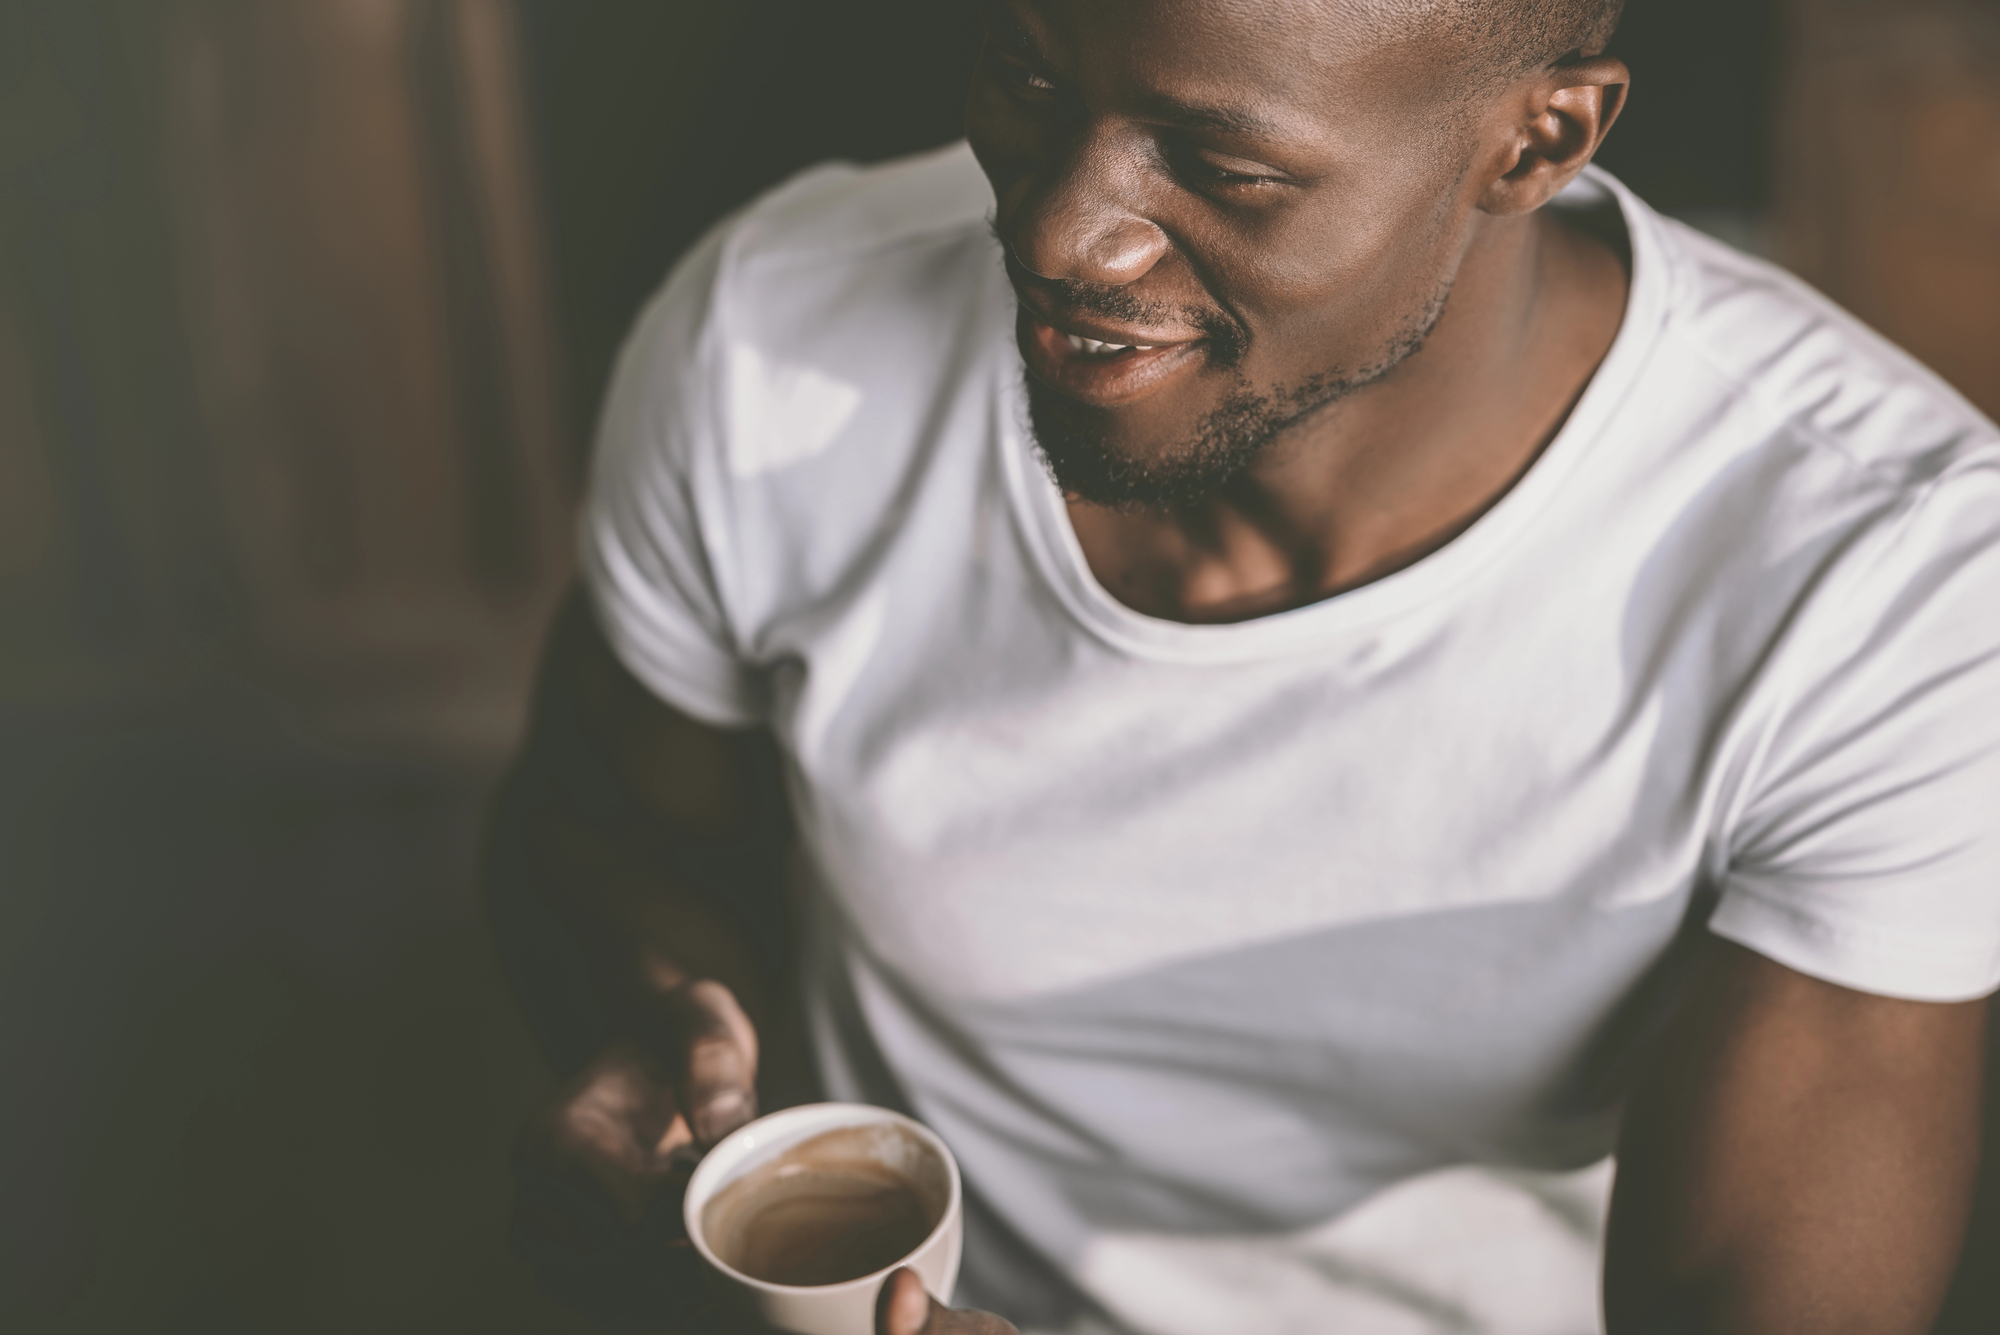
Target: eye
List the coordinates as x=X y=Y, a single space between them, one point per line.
x=1203 y=167
x=1223 y=177
x=1014 y=71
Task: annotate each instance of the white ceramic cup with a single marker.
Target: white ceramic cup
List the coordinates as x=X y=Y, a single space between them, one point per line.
x=913 y=1151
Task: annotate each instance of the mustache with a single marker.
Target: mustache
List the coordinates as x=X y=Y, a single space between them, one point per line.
x=1227 y=337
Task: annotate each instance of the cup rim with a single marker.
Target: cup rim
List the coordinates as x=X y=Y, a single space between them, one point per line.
x=703 y=1184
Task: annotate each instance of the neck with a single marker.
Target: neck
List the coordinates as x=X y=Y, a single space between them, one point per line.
x=1383 y=477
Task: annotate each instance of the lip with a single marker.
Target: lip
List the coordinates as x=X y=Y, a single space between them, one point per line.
x=1098 y=380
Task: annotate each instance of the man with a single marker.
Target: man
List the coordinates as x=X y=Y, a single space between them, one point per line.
x=1484 y=677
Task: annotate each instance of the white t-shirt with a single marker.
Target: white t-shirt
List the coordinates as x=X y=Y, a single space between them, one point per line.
x=1190 y=936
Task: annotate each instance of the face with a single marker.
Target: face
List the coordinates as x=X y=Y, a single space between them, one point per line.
x=1219 y=215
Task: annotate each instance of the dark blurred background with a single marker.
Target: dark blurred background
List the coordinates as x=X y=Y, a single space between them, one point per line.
x=305 y=306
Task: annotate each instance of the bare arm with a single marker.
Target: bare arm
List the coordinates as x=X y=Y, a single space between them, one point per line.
x=611 y=785
x=614 y=797
x=618 y=779
x=1800 y=1158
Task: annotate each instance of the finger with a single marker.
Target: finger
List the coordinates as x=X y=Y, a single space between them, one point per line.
x=617 y=1122
x=719 y=1070
x=906 y=1309
x=627 y=1102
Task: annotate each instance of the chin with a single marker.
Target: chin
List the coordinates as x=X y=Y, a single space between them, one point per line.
x=1126 y=458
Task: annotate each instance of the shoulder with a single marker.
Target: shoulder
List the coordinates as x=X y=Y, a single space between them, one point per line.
x=1808 y=377
x=841 y=211
x=843 y=284
x=1793 y=435
x=805 y=368
x=841 y=251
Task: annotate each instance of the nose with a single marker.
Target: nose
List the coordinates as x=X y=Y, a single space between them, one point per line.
x=1080 y=219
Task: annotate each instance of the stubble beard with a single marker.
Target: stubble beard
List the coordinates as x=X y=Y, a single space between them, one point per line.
x=1074 y=446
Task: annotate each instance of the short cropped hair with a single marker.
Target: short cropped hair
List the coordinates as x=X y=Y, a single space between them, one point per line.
x=1505 y=39
x=1522 y=36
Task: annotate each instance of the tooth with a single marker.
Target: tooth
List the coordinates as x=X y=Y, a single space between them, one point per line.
x=1097 y=347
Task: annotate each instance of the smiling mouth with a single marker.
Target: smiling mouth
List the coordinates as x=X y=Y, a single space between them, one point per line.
x=1100 y=371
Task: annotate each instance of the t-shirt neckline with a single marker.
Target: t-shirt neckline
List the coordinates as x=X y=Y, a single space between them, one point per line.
x=1039 y=507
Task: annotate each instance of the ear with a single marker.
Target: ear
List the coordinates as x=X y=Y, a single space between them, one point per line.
x=1552 y=127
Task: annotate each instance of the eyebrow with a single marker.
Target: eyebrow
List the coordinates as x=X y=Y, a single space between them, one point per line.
x=1166 y=107
x=1199 y=116
x=1159 y=104
x=996 y=14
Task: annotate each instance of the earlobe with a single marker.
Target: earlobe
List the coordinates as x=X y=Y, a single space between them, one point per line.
x=1561 y=122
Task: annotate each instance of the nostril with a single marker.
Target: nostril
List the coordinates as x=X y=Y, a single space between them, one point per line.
x=1020 y=261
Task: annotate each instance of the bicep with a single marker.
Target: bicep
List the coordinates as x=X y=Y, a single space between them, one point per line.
x=657 y=837
x=644 y=755
x=1798 y=1157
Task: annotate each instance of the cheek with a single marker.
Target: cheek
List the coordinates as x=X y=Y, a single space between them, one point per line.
x=1334 y=284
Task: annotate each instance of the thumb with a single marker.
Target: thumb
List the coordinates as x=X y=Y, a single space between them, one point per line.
x=905 y=1309
x=718 y=1076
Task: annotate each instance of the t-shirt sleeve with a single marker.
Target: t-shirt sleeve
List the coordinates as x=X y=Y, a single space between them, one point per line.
x=654 y=558
x=1867 y=848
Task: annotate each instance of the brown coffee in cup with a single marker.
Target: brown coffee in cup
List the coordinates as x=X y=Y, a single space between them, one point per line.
x=843 y=1204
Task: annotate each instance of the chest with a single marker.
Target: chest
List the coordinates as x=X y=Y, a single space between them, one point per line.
x=1003 y=806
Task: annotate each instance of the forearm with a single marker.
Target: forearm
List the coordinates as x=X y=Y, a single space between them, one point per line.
x=1800 y=1160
